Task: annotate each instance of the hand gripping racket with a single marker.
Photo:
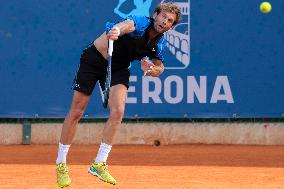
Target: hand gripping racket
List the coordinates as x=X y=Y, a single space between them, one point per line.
x=108 y=75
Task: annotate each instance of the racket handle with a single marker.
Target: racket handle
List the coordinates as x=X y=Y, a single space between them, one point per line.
x=110 y=47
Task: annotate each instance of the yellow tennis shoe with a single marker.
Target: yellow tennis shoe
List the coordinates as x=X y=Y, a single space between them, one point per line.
x=63 y=178
x=100 y=170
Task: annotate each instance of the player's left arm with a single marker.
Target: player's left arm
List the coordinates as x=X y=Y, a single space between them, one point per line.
x=157 y=69
x=158 y=60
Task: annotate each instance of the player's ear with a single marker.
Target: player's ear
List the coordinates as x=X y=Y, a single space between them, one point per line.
x=155 y=15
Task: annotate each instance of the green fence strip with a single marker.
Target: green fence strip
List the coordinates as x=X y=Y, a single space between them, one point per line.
x=27 y=128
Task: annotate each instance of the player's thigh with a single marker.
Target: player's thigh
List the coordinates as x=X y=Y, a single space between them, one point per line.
x=118 y=90
x=79 y=102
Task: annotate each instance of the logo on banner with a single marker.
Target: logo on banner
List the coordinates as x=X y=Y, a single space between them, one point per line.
x=142 y=8
x=178 y=39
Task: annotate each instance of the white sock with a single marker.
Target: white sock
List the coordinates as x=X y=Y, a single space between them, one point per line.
x=103 y=153
x=62 y=153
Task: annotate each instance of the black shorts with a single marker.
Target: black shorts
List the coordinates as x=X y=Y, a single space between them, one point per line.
x=93 y=68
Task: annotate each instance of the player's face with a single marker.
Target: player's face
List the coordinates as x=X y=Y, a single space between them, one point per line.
x=163 y=21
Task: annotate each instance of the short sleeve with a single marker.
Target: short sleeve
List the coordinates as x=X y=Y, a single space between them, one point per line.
x=140 y=24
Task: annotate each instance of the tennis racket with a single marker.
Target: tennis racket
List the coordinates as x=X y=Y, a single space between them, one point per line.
x=108 y=75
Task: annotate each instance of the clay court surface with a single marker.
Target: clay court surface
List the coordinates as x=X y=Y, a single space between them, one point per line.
x=139 y=166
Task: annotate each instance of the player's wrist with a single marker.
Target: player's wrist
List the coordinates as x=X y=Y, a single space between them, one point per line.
x=117 y=29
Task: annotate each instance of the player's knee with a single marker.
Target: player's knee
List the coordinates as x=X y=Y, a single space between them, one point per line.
x=117 y=114
x=76 y=114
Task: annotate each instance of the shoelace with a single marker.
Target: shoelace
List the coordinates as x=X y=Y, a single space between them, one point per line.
x=62 y=169
x=105 y=167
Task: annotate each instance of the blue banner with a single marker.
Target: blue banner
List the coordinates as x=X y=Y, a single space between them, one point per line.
x=223 y=60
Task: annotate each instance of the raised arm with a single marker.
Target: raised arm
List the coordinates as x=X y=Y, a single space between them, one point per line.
x=121 y=28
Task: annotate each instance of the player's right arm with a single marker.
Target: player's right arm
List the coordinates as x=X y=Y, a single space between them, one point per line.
x=135 y=25
x=113 y=31
x=121 y=28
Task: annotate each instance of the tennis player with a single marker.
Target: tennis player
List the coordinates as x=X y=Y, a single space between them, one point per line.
x=136 y=37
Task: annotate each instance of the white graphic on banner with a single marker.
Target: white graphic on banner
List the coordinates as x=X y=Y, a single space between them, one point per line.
x=179 y=37
x=171 y=90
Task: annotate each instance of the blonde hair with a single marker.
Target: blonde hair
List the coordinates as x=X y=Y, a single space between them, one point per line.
x=169 y=7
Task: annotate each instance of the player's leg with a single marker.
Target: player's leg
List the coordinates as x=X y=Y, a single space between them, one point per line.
x=117 y=100
x=79 y=103
x=90 y=69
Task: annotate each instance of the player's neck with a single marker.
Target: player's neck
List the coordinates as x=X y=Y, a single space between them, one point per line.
x=153 y=34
